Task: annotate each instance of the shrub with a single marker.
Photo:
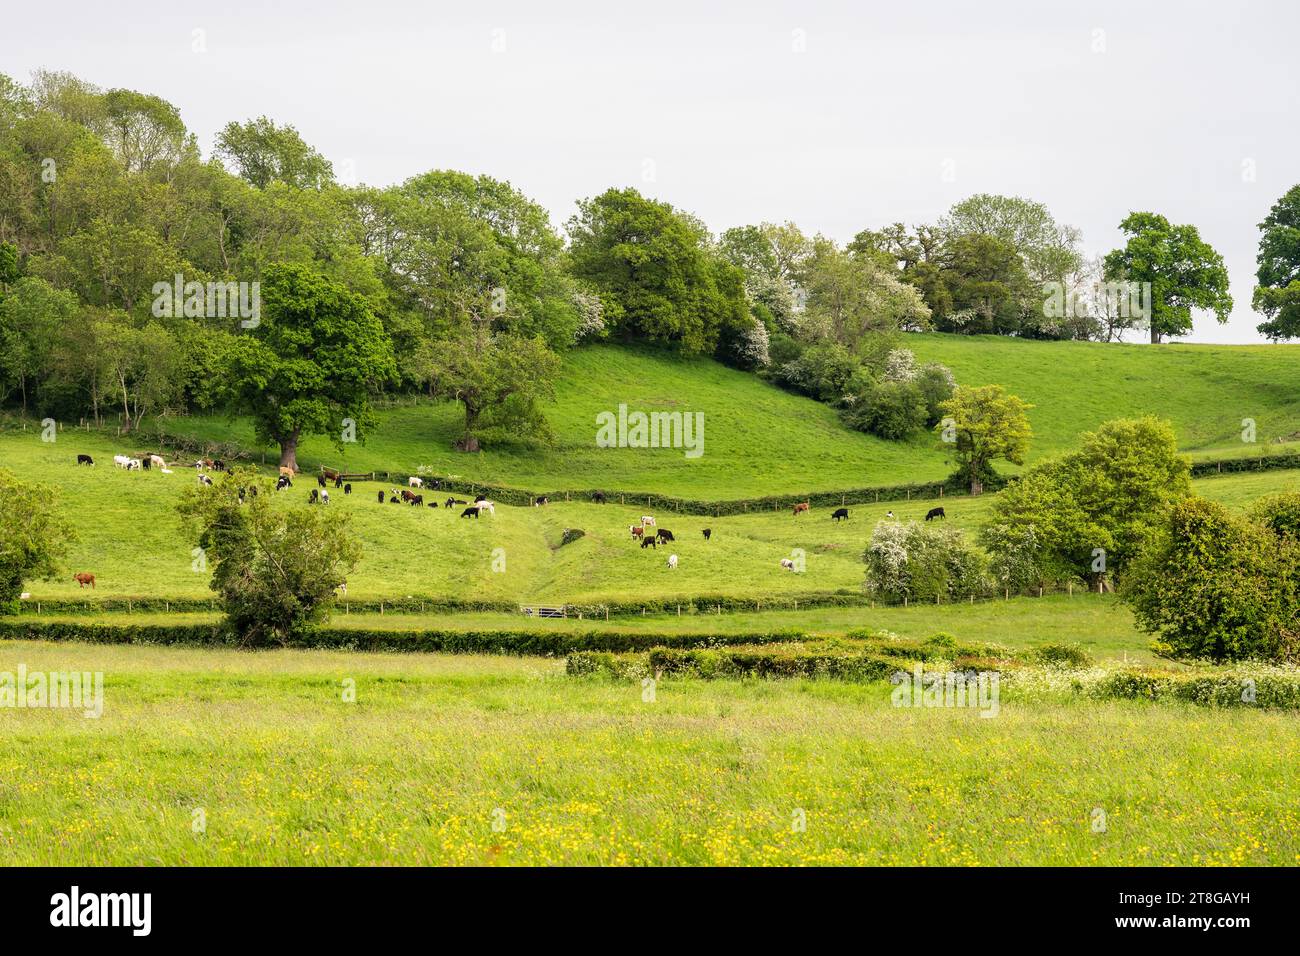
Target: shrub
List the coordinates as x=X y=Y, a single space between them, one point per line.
x=33 y=538
x=571 y=535
x=889 y=410
x=715 y=664
x=1216 y=586
x=921 y=562
x=1061 y=655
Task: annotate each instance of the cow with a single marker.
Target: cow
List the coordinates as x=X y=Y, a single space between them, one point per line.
x=329 y=473
x=672 y=562
x=598 y=498
x=320 y=481
x=840 y=514
x=314 y=496
x=543 y=500
x=708 y=533
x=648 y=541
x=787 y=564
x=889 y=516
x=347 y=489
x=452 y=502
x=394 y=500
x=800 y=507
x=324 y=497
x=134 y=464
x=414 y=482
x=282 y=483
x=218 y=465
x=416 y=501
x=647 y=521
x=408 y=495
x=338 y=482
x=637 y=531
x=83 y=579
x=158 y=460
x=487 y=506
x=381 y=496
x=205 y=480
x=85 y=460
x=935 y=513
x=470 y=512
x=121 y=461
x=287 y=472
x=665 y=535
x=146 y=461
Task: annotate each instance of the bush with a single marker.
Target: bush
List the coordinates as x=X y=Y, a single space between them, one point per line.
x=1061 y=655
x=889 y=410
x=1252 y=687
x=1216 y=586
x=571 y=535
x=920 y=562
x=716 y=664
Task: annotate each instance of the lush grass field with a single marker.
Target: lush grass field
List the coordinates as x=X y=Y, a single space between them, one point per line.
x=436 y=748
x=762 y=440
x=128 y=535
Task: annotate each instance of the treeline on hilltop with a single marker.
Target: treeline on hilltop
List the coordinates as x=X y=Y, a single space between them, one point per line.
x=138 y=277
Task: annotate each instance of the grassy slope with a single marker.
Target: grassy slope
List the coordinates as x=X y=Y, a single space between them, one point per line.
x=1205 y=390
x=129 y=536
x=762 y=440
x=586 y=772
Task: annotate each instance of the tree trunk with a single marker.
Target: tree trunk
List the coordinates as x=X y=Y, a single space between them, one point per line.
x=1155 y=336
x=289 y=450
x=469 y=441
x=126 y=408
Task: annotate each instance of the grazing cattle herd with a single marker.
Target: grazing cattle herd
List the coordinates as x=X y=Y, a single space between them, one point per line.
x=646 y=531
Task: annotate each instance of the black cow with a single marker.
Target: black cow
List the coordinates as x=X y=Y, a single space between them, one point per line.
x=417 y=501
x=146 y=461
x=935 y=513
x=598 y=497
x=394 y=500
x=452 y=502
x=85 y=460
x=338 y=482
x=665 y=535
x=320 y=480
x=543 y=500
x=708 y=533
x=314 y=496
x=839 y=514
x=648 y=541
x=381 y=496
x=470 y=512
x=347 y=489
x=282 y=483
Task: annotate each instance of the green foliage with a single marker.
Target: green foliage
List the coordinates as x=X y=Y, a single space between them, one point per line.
x=311 y=362
x=276 y=571
x=985 y=425
x=1090 y=512
x=889 y=410
x=1185 y=272
x=264 y=153
x=921 y=562
x=1050 y=251
x=1277 y=294
x=33 y=537
x=657 y=276
x=1217 y=586
x=776 y=664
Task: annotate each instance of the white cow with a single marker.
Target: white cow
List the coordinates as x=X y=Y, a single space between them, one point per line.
x=787 y=564
x=647 y=521
x=324 y=497
x=122 y=461
x=158 y=460
x=672 y=561
x=488 y=506
x=134 y=464
x=415 y=482
x=205 y=480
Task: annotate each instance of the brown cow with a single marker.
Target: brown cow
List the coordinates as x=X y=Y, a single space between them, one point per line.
x=287 y=471
x=83 y=579
x=637 y=530
x=802 y=506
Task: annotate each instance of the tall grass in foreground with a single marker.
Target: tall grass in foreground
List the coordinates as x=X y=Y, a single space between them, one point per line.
x=436 y=749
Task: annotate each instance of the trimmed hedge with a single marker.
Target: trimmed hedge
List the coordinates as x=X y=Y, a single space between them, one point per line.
x=714 y=664
x=454 y=642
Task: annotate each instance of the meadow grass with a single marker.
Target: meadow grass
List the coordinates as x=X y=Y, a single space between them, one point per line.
x=436 y=748
x=760 y=439
x=129 y=536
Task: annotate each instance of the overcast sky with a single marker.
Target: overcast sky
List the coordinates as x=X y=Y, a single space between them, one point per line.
x=838 y=116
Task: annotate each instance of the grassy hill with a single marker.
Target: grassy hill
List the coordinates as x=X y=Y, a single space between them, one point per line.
x=128 y=534
x=759 y=439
